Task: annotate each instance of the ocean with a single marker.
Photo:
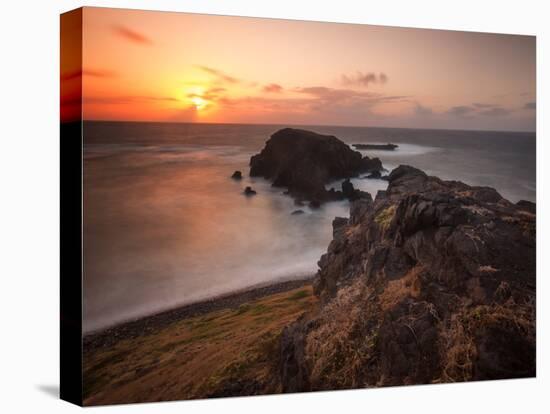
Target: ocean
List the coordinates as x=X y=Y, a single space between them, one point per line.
x=165 y=225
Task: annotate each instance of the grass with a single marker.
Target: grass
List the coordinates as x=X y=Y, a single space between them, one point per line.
x=300 y=294
x=195 y=357
x=458 y=350
x=397 y=290
x=338 y=349
x=385 y=217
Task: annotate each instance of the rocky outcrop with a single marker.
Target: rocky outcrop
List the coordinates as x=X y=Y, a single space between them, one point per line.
x=433 y=281
x=382 y=147
x=527 y=206
x=304 y=161
x=351 y=193
x=237 y=175
x=374 y=175
x=248 y=191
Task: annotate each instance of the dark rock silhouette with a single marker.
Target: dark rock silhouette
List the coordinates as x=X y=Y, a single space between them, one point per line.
x=351 y=193
x=374 y=174
x=237 y=175
x=248 y=191
x=527 y=206
x=433 y=281
x=314 y=204
x=304 y=161
x=297 y=212
x=384 y=147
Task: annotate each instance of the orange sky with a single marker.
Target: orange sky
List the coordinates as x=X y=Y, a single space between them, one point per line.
x=160 y=66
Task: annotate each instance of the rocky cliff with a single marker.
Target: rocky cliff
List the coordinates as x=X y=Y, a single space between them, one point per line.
x=304 y=161
x=433 y=281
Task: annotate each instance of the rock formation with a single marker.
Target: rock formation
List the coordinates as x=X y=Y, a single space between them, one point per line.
x=304 y=161
x=383 y=147
x=433 y=281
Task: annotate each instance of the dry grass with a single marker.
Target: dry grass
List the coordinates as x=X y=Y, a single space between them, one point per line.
x=339 y=350
x=397 y=290
x=385 y=217
x=195 y=357
x=457 y=347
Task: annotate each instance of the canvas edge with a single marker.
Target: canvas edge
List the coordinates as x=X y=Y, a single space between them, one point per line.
x=71 y=381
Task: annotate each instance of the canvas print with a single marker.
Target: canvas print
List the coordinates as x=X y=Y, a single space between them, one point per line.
x=277 y=206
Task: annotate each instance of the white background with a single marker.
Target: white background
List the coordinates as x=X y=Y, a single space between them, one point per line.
x=29 y=206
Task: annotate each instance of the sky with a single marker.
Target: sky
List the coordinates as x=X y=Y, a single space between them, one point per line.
x=177 y=67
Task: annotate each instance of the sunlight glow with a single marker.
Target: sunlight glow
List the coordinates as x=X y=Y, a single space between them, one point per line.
x=199 y=102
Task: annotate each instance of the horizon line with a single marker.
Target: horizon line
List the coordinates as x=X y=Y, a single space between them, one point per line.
x=307 y=125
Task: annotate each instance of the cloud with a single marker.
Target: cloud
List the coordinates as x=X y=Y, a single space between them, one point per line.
x=211 y=94
x=364 y=79
x=530 y=105
x=495 y=111
x=273 y=88
x=333 y=94
x=345 y=102
x=422 y=110
x=96 y=73
x=221 y=76
x=131 y=35
x=461 y=110
x=476 y=109
x=482 y=105
x=118 y=100
x=307 y=104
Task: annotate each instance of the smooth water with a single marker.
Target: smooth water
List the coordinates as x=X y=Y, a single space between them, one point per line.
x=164 y=225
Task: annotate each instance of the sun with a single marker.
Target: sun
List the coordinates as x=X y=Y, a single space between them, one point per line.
x=199 y=103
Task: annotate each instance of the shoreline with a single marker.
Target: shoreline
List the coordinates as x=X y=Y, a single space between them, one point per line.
x=149 y=324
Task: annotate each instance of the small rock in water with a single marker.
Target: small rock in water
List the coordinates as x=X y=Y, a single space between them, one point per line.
x=314 y=204
x=374 y=174
x=384 y=147
x=237 y=175
x=248 y=191
x=347 y=188
x=297 y=212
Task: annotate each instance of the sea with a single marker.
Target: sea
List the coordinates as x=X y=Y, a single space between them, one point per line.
x=165 y=225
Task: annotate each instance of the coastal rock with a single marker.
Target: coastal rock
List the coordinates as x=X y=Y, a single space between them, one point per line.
x=383 y=147
x=237 y=175
x=374 y=174
x=527 y=206
x=351 y=193
x=304 y=161
x=433 y=281
x=248 y=191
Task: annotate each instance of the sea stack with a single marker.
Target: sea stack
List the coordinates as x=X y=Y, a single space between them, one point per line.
x=304 y=162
